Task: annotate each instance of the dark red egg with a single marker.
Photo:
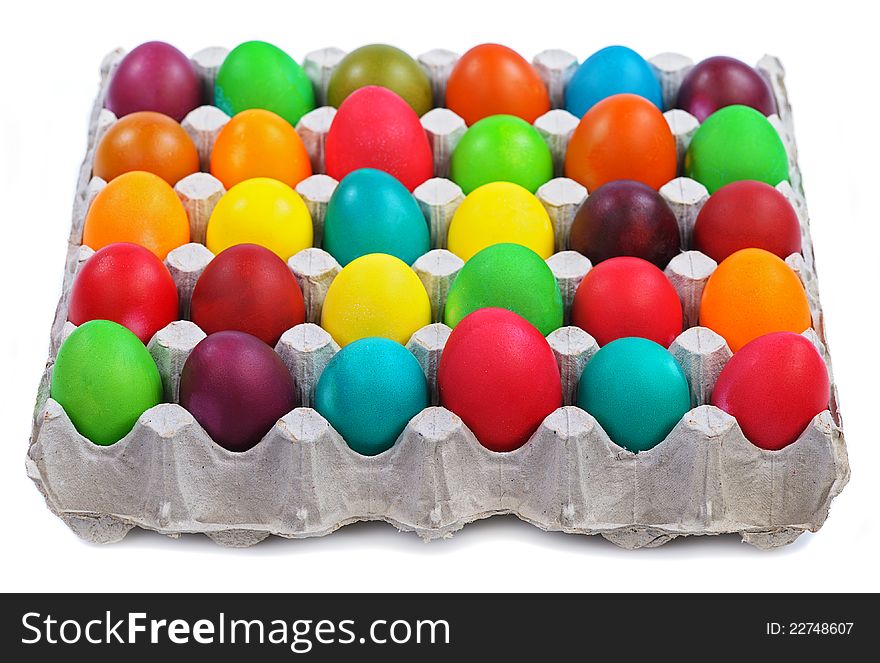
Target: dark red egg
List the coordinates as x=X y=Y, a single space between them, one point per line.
x=627 y=296
x=747 y=214
x=722 y=81
x=774 y=386
x=127 y=284
x=626 y=218
x=375 y=128
x=155 y=77
x=497 y=372
x=250 y=289
x=236 y=387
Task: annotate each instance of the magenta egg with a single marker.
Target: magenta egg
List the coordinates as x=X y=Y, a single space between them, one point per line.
x=722 y=81
x=236 y=387
x=155 y=76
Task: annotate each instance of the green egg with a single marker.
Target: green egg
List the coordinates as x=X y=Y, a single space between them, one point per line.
x=736 y=143
x=259 y=75
x=501 y=148
x=636 y=390
x=105 y=379
x=386 y=66
x=508 y=276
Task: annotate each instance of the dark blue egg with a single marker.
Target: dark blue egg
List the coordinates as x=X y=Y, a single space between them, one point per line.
x=372 y=212
x=613 y=70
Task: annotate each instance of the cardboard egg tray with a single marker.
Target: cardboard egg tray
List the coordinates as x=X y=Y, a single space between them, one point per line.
x=302 y=480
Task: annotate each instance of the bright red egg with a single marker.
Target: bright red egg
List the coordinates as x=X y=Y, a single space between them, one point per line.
x=747 y=214
x=627 y=296
x=774 y=386
x=375 y=128
x=497 y=372
x=250 y=289
x=126 y=284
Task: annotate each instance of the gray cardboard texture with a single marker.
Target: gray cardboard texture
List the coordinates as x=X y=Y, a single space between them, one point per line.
x=302 y=480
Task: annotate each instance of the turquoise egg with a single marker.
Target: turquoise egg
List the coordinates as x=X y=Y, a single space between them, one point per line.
x=508 y=276
x=372 y=212
x=369 y=391
x=636 y=390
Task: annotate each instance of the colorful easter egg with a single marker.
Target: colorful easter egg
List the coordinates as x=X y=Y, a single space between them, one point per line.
x=369 y=391
x=491 y=79
x=511 y=277
x=146 y=141
x=774 y=385
x=626 y=218
x=236 y=387
x=105 y=379
x=636 y=391
x=372 y=212
x=753 y=293
x=256 y=74
x=627 y=296
x=622 y=137
x=140 y=208
x=375 y=128
x=259 y=143
x=155 y=76
x=501 y=148
x=747 y=214
x=736 y=143
x=127 y=284
x=260 y=211
x=498 y=373
x=612 y=70
x=721 y=81
x=375 y=295
x=500 y=212
x=248 y=288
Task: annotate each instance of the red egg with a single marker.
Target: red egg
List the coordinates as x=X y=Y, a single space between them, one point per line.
x=627 y=296
x=499 y=375
x=250 y=289
x=774 y=386
x=127 y=284
x=375 y=128
x=747 y=214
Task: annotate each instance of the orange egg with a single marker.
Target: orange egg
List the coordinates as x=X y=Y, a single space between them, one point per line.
x=491 y=79
x=259 y=143
x=146 y=141
x=752 y=293
x=137 y=207
x=623 y=137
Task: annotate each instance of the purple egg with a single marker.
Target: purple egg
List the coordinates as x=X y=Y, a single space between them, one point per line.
x=236 y=387
x=722 y=81
x=155 y=77
x=625 y=218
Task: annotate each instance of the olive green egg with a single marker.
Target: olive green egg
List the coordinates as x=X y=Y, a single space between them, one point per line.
x=386 y=66
x=508 y=276
x=105 y=379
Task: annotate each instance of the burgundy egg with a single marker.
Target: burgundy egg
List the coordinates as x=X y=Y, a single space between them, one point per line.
x=722 y=81
x=236 y=387
x=626 y=218
x=155 y=77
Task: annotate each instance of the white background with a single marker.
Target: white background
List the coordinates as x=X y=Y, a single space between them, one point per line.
x=48 y=77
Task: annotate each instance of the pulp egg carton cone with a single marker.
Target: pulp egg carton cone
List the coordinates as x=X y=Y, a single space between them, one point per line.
x=303 y=480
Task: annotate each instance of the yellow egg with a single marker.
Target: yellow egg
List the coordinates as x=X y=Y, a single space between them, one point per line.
x=500 y=212
x=260 y=211
x=375 y=295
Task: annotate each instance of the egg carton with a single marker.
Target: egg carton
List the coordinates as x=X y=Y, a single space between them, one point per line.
x=302 y=479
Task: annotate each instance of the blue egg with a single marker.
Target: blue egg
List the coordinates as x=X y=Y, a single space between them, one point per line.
x=372 y=212
x=369 y=391
x=613 y=70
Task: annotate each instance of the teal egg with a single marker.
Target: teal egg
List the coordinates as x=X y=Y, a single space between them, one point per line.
x=509 y=276
x=369 y=391
x=372 y=212
x=636 y=390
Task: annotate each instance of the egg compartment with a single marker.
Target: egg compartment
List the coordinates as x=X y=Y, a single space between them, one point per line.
x=568 y=477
